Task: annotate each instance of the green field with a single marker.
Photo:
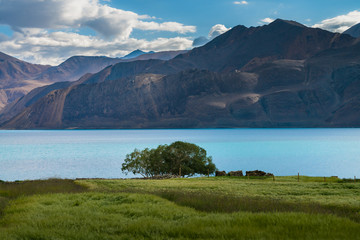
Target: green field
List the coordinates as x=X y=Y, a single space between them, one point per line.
x=186 y=208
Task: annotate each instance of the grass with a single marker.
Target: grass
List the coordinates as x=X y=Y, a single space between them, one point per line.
x=3 y=203
x=22 y=188
x=12 y=190
x=141 y=216
x=227 y=204
x=331 y=193
x=201 y=208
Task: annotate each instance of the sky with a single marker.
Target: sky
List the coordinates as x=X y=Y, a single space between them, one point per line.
x=50 y=31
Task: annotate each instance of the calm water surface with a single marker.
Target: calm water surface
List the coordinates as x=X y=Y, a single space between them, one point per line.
x=100 y=153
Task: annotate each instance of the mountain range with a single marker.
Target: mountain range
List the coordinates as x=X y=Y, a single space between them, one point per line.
x=17 y=77
x=279 y=75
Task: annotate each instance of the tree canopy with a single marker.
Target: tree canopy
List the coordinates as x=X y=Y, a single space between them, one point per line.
x=178 y=158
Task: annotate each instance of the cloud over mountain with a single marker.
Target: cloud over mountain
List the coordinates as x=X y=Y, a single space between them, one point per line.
x=266 y=20
x=340 y=23
x=52 y=48
x=217 y=30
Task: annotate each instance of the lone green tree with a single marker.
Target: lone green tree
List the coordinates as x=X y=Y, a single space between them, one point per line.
x=178 y=158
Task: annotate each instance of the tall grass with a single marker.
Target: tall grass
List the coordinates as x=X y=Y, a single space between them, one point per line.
x=222 y=203
x=201 y=208
x=3 y=203
x=22 y=188
x=12 y=190
x=141 y=216
x=284 y=188
x=232 y=194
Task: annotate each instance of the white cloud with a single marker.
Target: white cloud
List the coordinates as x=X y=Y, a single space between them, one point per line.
x=267 y=20
x=217 y=30
x=241 y=2
x=48 y=31
x=166 y=26
x=55 y=14
x=340 y=23
x=53 y=48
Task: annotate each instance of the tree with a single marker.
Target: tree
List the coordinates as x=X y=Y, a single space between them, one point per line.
x=178 y=158
x=187 y=159
x=137 y=162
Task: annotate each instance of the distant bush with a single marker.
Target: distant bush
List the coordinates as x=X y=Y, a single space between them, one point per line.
x=178 y=158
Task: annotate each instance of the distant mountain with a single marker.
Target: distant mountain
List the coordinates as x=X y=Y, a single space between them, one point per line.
x=280 y=75
x=165 y=55
x=135 y=54
x=141 y=55
x=75 y=67
x=16 y=78
x=354 y=31
x=13 y=70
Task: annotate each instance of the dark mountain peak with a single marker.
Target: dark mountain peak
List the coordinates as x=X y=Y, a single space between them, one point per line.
x=354 y=31
x=282 y=22
x=267 y=33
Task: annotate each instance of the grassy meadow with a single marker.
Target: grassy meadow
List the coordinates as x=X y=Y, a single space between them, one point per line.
x=186 y=208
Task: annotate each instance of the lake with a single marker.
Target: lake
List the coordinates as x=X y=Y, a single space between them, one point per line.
x=38 y=154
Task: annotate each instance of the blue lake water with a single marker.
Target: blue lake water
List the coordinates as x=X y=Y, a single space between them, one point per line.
x=100 y=153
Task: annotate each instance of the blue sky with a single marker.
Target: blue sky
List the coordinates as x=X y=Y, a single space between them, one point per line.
x=206 y=13
x=50 y=31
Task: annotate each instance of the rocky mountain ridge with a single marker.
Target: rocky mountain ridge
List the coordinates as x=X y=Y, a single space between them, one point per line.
x=280 y=75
